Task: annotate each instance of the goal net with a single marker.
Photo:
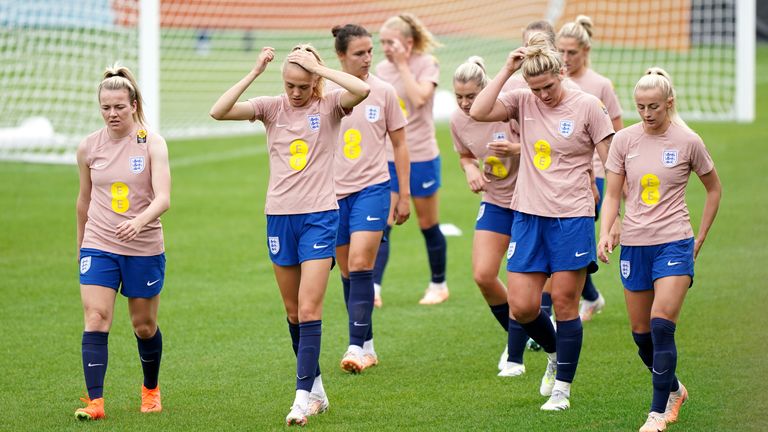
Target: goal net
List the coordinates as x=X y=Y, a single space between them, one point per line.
x=53 y=53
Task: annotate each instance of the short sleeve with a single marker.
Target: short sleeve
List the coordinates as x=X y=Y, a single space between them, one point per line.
x=458 y=144
x=617 y=154
x=611 y=100
x=600 y=126
x=430 y=71
x=263 y=108
x=511 y=101
x=393 y=114
x=701 y=161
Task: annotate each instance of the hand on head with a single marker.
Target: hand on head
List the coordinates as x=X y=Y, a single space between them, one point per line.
x=515 y=59
x=305 y=59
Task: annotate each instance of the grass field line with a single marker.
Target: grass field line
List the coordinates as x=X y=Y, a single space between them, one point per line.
x=202 y=159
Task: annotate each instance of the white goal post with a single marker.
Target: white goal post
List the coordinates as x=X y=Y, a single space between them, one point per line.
x=188 y=52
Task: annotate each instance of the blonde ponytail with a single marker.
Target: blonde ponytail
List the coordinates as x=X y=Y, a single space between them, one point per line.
x=472 y=70
x=540 y=57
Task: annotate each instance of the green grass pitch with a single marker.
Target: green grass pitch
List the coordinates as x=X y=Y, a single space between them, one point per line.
x=228 y=363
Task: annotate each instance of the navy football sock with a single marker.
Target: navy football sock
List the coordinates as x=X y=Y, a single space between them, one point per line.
x=644 y=344
x=664 y=362
x=360 y=306
x=501 y=313
x=569 y=339
x=542 y=331
x=308 y=354
x=546 y=303
x=590 y=292
x=437 y=249
x=150 y=353
x=382 y=257
x=295 y=336
x=516 y=340
x=345 y=287
x=95 y=354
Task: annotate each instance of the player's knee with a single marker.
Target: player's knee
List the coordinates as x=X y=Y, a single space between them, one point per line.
x=563 y=302
x=309 y=313
x=358 y=262
x=486 y=280
x=523 y=312
x=97 y=319
x=145 y=328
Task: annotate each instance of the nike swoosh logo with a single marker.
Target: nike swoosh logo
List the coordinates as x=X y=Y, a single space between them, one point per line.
x=153 y=282
x=528 y=118
x=632 y=156
x=581 y=254
x=671 y=263
x=145 y=361
x=317 y=246
x=427 y=185
x=99 y=165
x=280 y=125
x=563 y=363
x=302 y=378
x=659 y=373
x=95 y=364
x=357 y=324
x=371 y=219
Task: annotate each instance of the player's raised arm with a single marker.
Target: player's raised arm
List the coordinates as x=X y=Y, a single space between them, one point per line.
x=227 y=106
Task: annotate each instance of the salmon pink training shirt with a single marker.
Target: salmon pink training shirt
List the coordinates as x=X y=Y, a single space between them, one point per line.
x=301 y=143
x=472 y=137
x=556 y=157
x=121 y=180
x=420 y=132
x=361 y=158
x=656 y=169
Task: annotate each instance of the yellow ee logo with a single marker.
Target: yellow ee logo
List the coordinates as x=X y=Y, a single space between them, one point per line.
x=543 y=157
x=496 y=167
x=299 y=150
x=352 y=140
x=402 y=106
x=650 y=193
x=120 y=203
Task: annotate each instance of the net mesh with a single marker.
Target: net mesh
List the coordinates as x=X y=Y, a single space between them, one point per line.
x=52 y=54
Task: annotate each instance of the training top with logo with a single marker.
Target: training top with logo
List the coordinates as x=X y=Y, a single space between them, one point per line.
x=420 y=132
x=301 y=144
x=517 y=81
x=601 y=87
x=470 y=136
x=657 y=168
x=361 y=158
x=556 y=156
x=121 y=188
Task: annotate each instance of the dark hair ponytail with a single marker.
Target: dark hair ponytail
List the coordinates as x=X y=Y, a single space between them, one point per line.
x=344 y=33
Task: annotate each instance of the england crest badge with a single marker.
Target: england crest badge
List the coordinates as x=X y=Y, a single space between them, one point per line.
x=481 y=212
x=669 y=158
x=274 y=245
x=625 y=268
x=566 y=128
x=85 y=264
x=314 y=122
x=511 y=249
x=136 y=164
x=372 y=113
